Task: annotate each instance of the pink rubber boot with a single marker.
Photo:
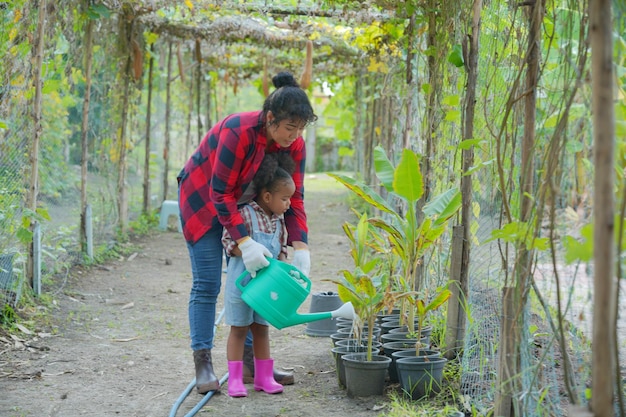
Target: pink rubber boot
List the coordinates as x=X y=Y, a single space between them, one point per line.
x=236 y=388
x=264 y=376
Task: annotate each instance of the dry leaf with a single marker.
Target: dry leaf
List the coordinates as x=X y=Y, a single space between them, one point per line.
x=23 y=329
x=305 y=80
x=137 y=60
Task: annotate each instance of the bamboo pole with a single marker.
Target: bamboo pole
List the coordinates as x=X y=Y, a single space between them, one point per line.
x=146 y=161
x=190 y=112
x=168 y=103
x=122 y=191
x=37 y=122
x=199 y=126
x=83 y=135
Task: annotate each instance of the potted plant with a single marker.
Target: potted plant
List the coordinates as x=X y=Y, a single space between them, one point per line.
x=410 y=233
x=365 y=287
x=420 y=373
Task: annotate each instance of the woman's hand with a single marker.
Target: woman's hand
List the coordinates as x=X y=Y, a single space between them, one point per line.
x=302 y=261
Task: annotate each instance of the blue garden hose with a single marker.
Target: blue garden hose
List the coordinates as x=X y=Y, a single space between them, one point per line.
x=192 y=384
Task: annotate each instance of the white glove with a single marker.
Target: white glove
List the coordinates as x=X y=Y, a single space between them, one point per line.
x=302 y=261
x=253 y=255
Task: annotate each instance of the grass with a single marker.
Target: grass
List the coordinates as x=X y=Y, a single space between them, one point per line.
x=321 y=183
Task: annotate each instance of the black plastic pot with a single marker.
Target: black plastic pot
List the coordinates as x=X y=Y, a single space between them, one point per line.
x=365 y=378
x=339 y=352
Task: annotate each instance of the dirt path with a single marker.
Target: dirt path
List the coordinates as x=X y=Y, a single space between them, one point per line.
x=115 y=342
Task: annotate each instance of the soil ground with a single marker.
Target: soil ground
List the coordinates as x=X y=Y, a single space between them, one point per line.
x=115 y=338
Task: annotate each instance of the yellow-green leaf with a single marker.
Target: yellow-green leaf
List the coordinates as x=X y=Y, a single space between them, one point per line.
x=407 y=180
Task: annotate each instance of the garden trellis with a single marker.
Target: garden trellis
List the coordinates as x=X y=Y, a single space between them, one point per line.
x=395 y=74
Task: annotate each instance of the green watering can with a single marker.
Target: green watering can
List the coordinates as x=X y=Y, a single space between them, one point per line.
x=278 y=291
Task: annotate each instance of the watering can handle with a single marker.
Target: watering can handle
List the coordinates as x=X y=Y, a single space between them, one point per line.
x=239 y=279
x=302 y=278
x=243 y=275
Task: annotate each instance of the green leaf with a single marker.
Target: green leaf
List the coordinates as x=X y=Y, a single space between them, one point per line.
x=50 y=86
x=468 y=143
x=444 y=205
x=43 y=213
x=366 y=193
x=345 y=151
x=540 y=243
x=453 y=116
x=438 y=301
x=426 y=88
x=98 y=11
x=452 y=100
x=479 y=166
x=24 y=235
x=383 y=167
x=582 y=250
x=407 y=180
x=456 y=56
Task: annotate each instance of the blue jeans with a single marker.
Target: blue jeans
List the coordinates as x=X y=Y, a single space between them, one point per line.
x=206 y=268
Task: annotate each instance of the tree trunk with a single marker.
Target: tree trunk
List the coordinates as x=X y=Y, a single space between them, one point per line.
x=604 y=286
x=83 y=135
x=146 y=161
x=431 y=111
x=456 y=339
x=34 y=150
x=168 y=103
x=189 y=116
x=199 y=126
x=359 y=122
x=122 y=191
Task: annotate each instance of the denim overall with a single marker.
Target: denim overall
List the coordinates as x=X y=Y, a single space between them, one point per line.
x=237 y=312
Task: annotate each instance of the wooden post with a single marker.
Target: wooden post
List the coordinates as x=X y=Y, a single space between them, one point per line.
x=456 y=301
x=507 y=354
x=604 y=256
x=168 y=104
x=83 y=136
x=146 y=161
x=34 y=150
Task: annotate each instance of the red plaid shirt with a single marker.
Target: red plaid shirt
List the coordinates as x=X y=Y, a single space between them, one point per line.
x=220 y=170
x=263 y=223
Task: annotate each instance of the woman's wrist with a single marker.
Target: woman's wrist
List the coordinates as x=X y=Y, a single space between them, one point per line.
x=298 y=245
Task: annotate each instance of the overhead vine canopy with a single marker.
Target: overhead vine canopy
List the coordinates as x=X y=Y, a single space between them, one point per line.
x=242 y=35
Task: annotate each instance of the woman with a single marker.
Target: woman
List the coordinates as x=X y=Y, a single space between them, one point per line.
x=214 y=181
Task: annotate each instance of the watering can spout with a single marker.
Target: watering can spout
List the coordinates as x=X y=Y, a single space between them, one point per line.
x=346 y=311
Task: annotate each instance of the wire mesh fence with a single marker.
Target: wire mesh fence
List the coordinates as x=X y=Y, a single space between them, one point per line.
x=544 y=390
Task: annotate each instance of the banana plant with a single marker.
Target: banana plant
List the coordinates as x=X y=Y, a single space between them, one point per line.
x=422 y=308
x=409 y=238
x=365 y=286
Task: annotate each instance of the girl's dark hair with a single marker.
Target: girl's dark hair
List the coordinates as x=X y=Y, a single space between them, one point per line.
x=288 y=101
x=275 y=168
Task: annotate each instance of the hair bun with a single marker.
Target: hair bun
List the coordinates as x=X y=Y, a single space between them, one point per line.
x=284 y=79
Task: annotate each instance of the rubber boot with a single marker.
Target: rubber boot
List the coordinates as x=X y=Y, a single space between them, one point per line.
x=283 y=378
x=205 y=377
x=264 y=378
x=236 y=388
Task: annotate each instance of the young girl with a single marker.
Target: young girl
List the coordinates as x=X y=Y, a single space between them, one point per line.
x=263 y=217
